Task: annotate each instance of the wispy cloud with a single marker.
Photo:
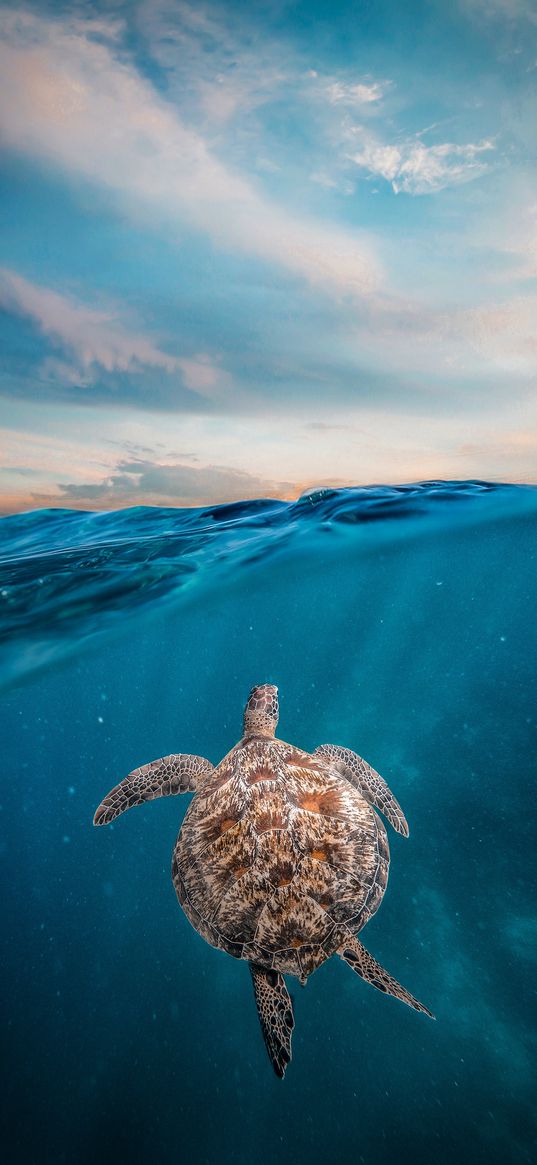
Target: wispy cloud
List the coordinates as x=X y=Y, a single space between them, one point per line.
x=97 y=340
x=359 y=93
x=506 y=10
x=348 y=94
x=216 y=67
x=414 y=168
x=78 y=103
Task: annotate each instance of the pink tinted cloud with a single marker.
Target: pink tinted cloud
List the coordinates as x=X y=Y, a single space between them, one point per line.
x=79 y=104
x=96 y=338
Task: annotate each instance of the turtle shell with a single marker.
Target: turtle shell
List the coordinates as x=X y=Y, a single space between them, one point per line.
x=275 y=853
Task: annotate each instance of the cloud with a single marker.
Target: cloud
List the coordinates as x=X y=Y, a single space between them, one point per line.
x=348 y=93
x=460 y=348
x=327 y=426
x=517 y=238
x=510 y=11
x=148 y=482
x=505 y=333
x=222 y=67
x=215 y=67
x=79 y=104
x=332 y=182
x=96 y=340
x=414 y=168
x=358 y=94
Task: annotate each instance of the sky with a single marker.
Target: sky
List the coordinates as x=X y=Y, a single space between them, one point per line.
x=250 y=249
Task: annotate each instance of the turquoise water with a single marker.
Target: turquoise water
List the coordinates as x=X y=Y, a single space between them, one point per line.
x=399 y=622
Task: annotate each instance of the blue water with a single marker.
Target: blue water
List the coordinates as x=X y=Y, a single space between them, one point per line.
x=397 y=621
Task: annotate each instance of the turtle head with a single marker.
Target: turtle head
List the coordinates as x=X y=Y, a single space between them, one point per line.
x=261 y=712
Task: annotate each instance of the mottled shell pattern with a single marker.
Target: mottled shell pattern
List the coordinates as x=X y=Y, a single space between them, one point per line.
x=276 y=851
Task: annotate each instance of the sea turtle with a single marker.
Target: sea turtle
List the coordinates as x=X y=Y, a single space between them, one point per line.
x=281 y=858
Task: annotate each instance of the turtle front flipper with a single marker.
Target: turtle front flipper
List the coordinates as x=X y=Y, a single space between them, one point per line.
x=275 y=1010
x=365 y=965
x=368 y=782
x=178 y=773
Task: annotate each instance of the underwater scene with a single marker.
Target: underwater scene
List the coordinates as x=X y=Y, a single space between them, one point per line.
x=396 y=621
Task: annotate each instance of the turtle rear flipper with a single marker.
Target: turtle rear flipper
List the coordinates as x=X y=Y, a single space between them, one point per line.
x=353 y=953
x=275 y=1011
x=177 y=773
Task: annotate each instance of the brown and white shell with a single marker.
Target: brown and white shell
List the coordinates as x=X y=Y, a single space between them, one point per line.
x=275 y=853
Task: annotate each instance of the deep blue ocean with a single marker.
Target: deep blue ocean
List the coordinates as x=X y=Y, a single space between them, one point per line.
x=400 y=622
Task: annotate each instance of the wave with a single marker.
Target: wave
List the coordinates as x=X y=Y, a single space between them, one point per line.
x=68 y=575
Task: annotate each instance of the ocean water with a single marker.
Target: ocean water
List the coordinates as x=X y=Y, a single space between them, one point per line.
x=397 y=621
